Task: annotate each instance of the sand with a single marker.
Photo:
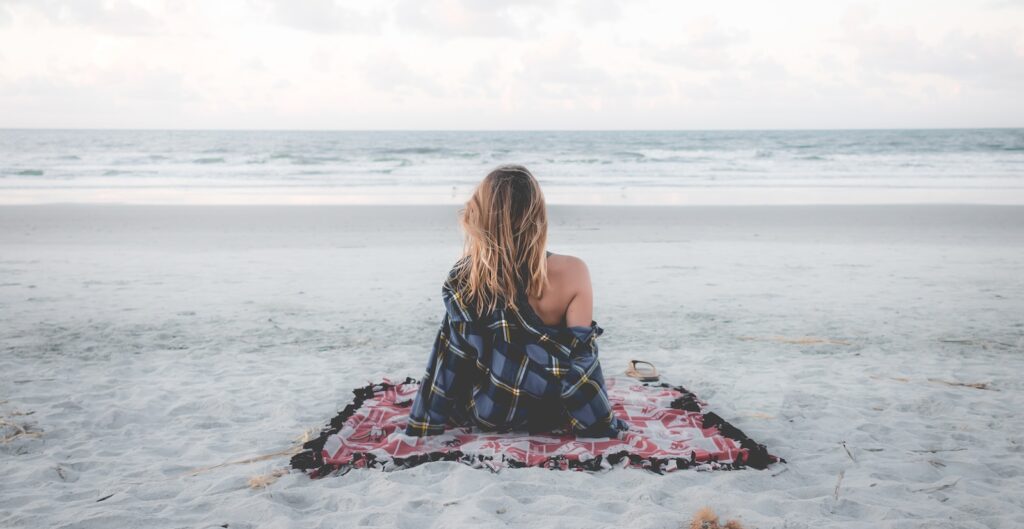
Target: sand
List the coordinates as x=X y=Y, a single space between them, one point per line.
x=140 y=343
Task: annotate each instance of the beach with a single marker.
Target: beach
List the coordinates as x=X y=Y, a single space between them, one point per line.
x=876 y=348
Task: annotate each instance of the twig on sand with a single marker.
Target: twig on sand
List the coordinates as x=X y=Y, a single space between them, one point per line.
x=936 y=488
x=255 y=459
x=835 y=495
x=19 y=431
x=983 y=343
x=843 y=444
x=780 y=472
x=937 y=450
x=706 y=518
x=800 y=340
x=254 y=482
x=265 y=480
x=975 y=385
x=287 y=452
x=897 y=379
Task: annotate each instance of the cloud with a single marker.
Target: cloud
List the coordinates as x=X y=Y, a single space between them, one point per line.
x=592 y=12
x=988 y=59
x=707 y=46
x=322 y=16
x=1001 y=4
x=110 y=98
x=560 y=75
x=467 y=18
x=559 y=61
x=143 y=84
x=388 y=72
x=120 y=17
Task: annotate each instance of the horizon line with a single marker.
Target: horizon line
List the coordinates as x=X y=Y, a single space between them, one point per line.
x=146 y=129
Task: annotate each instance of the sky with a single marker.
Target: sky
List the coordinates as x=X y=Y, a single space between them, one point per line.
x=526 y=64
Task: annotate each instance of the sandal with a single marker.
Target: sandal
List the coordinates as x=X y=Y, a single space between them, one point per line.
x=644 y=374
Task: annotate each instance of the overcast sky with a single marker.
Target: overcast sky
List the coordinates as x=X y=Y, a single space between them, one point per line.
x=477 y=64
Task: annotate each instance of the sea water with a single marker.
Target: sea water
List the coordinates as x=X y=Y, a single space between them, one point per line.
x=574 y=167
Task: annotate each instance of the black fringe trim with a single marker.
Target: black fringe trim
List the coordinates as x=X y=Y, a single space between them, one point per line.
x=311 y=459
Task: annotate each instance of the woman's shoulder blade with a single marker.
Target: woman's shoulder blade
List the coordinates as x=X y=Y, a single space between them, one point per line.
x=568 y=269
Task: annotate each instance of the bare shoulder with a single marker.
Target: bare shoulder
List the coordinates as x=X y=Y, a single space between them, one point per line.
x=570 y=281
x=568 y=270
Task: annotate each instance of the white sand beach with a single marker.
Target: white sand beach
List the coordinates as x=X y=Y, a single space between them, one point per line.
x=138 y=344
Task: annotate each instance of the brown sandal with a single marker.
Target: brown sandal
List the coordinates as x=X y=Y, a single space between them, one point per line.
x=643 y=374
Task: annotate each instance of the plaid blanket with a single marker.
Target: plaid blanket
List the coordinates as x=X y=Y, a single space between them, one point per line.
x=668 y=430
x=507 y=370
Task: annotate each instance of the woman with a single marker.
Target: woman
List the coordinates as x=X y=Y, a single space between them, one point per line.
x=516 y=349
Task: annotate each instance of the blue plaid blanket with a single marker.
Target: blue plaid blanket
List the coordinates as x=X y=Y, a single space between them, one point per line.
x=507 y=370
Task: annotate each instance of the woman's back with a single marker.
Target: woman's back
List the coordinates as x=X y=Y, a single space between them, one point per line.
x=568 y=300
x=507 y=369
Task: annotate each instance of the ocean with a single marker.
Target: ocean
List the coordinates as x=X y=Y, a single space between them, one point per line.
x=574 y=167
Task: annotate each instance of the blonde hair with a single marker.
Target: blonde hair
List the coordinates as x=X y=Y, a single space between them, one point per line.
x=506 y=228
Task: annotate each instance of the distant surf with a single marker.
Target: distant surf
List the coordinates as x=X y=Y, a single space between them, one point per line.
x=612 y=167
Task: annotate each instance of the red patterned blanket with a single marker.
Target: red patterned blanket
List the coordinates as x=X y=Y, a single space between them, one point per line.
x=668 y=430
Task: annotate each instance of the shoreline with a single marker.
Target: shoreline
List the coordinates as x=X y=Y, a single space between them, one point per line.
x=550 y=206
x=580 y=229
x=697 y=195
